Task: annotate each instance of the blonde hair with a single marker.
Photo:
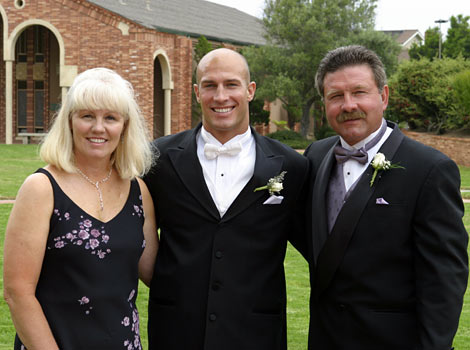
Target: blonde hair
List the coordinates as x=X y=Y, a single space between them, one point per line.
x=94 y=89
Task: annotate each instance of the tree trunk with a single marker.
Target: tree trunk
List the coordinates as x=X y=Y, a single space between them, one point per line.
x=305 y=121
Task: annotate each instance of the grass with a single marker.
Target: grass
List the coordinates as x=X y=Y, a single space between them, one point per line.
x=462 y=338
x=18 y=161
x=465 y=181
x=465 y=177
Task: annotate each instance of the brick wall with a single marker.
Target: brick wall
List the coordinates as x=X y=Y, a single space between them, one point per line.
x=458 y=149
x=91 y=38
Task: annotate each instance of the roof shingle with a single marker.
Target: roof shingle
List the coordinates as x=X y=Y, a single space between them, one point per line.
x=191 y=18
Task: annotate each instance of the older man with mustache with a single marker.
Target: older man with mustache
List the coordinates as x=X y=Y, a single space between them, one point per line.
x=388 y=253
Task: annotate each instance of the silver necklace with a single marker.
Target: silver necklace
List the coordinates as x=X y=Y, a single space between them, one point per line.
x=97 y=184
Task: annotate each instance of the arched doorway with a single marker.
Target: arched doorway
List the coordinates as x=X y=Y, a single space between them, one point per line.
x=36 y=80
x=163 y=84
x=158 y=100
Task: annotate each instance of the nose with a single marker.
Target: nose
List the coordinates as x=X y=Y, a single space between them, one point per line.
x=220 y=94
x=349 y=103
x=98 y=125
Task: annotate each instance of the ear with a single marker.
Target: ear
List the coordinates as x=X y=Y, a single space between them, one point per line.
x=384 y=96
x=251 y=90
x=196 y=91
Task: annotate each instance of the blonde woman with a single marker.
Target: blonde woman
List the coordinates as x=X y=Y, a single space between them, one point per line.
x=82 y=230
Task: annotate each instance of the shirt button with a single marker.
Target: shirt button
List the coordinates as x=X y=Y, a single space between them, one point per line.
x=218 y=254
x=212 y=317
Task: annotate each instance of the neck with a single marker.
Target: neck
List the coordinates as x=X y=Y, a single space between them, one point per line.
x=224 y=137
x=94 y=169
x=95 y=173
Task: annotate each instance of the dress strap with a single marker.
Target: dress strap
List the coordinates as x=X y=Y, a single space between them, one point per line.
x=54 y=183
x=135 y=192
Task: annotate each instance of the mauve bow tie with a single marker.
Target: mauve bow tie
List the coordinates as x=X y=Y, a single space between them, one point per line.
x=342 y=155
x=212 y=151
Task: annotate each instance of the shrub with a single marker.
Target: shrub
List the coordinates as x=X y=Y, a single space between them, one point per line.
x=290 y=138
x=421 y=93
x=461 y=88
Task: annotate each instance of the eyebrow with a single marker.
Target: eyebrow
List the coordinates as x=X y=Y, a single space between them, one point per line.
x=209 y=81
x=356 y=87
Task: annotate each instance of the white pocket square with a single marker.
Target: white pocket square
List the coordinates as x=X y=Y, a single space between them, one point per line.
x=381 y=201
x=274 y=200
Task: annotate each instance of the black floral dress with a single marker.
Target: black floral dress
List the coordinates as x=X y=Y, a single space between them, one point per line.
x=89 y=278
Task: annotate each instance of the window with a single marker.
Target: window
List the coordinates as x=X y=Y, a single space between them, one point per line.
x=21 y=52
x=21 y=105
x=38 y=44
x=38 y=105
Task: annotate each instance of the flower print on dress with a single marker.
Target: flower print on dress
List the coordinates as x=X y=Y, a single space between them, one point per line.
x=139 y=209
x=85 y=301
x=87 y=235
x=134 y=324
x=66 y=215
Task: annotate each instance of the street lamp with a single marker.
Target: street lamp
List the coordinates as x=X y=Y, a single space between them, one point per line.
x=440 y=21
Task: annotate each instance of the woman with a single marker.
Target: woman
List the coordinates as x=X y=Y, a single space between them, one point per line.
x=77 y=239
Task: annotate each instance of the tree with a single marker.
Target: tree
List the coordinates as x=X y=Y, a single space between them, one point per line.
x=385 y=46
x=202 y=47
x=458 y=37
x=430 y=48
x=299 y=34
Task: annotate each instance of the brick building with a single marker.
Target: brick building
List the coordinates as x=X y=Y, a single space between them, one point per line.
x=46 y=43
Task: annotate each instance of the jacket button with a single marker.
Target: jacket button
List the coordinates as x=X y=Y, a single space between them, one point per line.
x=212 y=317
x=218 y=254
x=216 y=286
x=341 y=307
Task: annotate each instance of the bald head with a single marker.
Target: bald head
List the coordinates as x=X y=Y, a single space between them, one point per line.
x=222 y=55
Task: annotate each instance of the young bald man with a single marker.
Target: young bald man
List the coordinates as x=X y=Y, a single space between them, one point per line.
x=219 y=276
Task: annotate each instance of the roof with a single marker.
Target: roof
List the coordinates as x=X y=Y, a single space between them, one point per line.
x=404 y=36
x=190 y=18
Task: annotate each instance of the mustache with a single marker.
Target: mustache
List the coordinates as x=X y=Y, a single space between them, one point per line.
x=344 y=116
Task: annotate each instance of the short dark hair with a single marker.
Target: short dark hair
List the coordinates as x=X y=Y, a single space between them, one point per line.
x=350 y=56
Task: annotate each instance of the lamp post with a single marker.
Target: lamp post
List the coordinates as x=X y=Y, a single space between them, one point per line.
x=440 y=21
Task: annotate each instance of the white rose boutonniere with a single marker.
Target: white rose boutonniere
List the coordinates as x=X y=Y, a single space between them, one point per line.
x=274 y=184
x=381 y=163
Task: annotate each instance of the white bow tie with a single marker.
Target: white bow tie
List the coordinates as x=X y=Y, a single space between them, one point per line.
x=212 y=151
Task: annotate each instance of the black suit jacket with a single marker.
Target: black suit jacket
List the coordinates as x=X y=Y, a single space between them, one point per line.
x=219 y=282
x=388 y=276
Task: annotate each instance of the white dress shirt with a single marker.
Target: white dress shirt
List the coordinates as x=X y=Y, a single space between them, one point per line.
x=227 y=175
x=352 y=169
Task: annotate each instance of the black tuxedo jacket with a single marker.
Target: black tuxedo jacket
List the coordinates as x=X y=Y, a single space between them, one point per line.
x=388 y=276
x=219 y=282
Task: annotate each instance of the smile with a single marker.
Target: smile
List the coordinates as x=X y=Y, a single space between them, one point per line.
x=97 y=140
x=222 y=110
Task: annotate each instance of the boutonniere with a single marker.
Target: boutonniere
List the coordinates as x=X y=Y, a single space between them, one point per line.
x=381 y=163
x=274 y=184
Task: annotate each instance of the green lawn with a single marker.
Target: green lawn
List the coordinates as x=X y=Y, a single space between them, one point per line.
x=465 y=176
x=18 y=161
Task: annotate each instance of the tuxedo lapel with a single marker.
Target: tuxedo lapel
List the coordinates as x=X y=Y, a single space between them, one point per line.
x=267 y=165
x=319 y=215
x=337 y=242
x=186 y=164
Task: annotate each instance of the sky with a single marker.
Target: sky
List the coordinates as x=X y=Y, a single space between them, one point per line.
x=390 y=14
